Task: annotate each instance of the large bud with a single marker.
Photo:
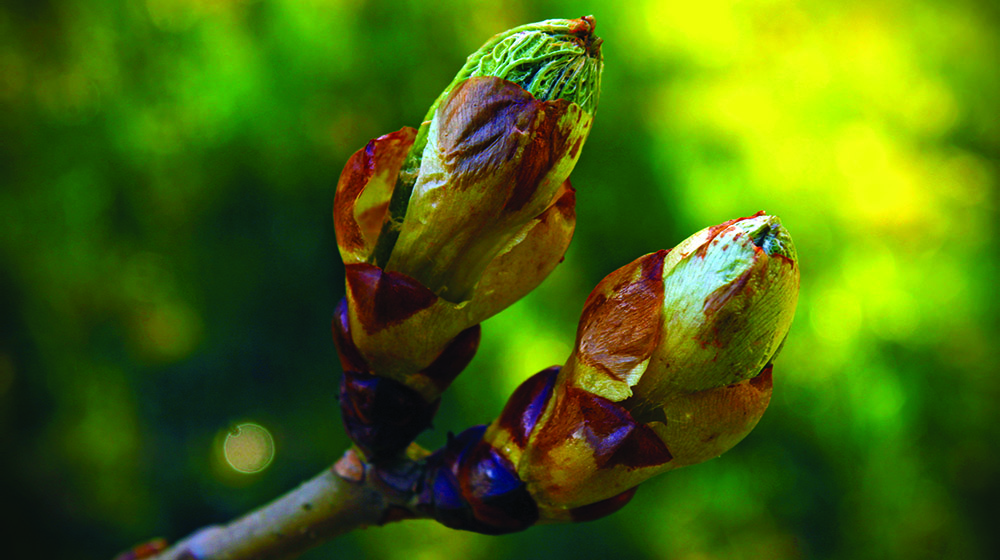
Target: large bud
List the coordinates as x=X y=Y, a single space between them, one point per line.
x=493 y=154
x=442 y=227
x=501 y=141
x=672 y=366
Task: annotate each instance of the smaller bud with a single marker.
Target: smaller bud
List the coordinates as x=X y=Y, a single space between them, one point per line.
x=672 y=367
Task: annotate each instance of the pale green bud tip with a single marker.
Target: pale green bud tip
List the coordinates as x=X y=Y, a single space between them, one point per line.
x=552 y=59
x=730 y=293
x=768 y=234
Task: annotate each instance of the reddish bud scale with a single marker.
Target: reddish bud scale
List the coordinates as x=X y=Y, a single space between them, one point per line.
x=363 y=192
x=608 y=428
x=620 y=324
x=385 y=298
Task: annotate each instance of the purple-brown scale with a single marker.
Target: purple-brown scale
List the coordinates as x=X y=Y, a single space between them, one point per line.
x=381 y=415
x=350 y=357
x=454 y=358
x=469 y=485
x=526 y=404
x=384 y=298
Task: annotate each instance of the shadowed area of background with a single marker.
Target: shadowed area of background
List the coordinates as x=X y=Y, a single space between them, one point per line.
x=168 y=267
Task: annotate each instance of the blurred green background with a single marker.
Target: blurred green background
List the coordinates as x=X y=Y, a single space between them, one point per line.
x=168 y=267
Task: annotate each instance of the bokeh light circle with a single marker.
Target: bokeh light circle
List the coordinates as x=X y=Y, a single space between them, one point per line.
x=248 y=448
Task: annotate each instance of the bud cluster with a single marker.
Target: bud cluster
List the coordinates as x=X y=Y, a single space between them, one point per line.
x=442 y=227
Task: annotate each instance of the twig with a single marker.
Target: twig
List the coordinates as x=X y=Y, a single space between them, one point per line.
x=338 y=500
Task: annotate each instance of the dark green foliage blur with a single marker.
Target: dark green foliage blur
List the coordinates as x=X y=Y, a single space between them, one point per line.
x=168 y=267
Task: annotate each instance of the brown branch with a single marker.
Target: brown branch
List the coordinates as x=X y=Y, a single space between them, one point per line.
x=338 y=500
